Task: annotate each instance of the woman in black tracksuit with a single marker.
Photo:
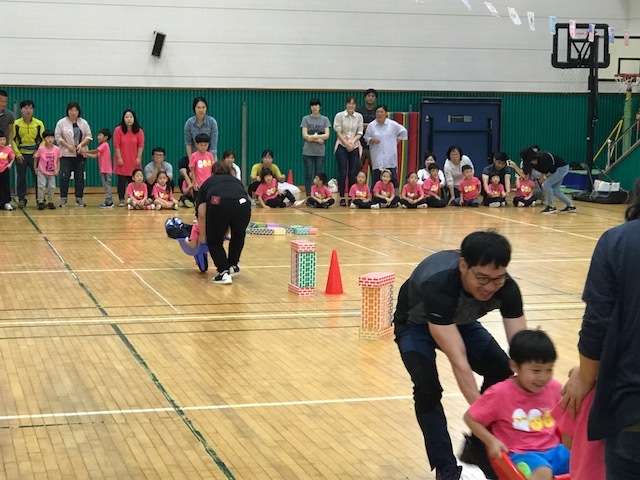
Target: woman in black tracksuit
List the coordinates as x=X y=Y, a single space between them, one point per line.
x=223 y=204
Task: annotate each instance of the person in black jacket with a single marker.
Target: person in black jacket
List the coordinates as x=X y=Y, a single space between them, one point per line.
x=609 y=345
x=223 y=204
x=553 y=169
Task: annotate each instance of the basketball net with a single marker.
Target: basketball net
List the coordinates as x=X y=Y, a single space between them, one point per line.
x=627 y=82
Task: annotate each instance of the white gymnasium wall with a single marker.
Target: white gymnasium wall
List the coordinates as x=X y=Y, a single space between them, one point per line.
x=286 y=44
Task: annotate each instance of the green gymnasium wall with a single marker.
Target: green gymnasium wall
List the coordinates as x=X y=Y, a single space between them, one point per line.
x=557 y=122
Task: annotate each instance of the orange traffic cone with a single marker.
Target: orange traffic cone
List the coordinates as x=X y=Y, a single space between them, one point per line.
x=290 y=177
x=334 y=280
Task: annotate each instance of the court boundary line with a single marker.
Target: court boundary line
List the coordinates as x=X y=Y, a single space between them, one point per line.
x=108 y=249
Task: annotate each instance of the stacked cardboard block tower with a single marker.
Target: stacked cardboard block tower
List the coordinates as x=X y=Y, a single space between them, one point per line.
x=377 y=305
x=303 y=268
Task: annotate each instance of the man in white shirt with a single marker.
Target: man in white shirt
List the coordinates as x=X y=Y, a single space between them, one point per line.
x=383 y=137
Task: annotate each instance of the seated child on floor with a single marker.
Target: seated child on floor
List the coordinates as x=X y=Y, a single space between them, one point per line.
x=412 y=195
x=384 y=192
x=137 y=193
x=469 y=189
x=496 y=193
x=525 y=192
x=161 y=193
x=270 y=196
x=432 y=187
x=320 y=194
x=360 y=194
x=514 y=415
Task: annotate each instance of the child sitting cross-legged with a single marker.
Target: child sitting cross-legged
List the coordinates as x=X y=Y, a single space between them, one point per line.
x=137 y=193
x=514 y=415
x=320 y=194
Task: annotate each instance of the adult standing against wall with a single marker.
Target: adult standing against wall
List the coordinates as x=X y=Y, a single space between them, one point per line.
x=609 y=345
x=553 y=169
x=201 y=123
x=383 y=137
x=315 y=131
x=348 y=127
x=128 y=143
x=453 y=170
x=368 y=112
x=72 y=134
x=223 y=204
x=438 y=309
x=27 y=137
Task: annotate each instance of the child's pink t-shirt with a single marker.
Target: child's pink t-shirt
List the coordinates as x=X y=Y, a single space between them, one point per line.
x=137 y=191
x=495 y=190
x=385 y=190
x=521 y=420
x=6 y=155
x=267 y=191
x=48 y=159
x=104 y=158
x=162 y=193
x=320 y=193
x=469 y=189
x=200 y=164
x=195 y=231
x=412 y=192
x=587 y=457
x=525 y=189
x=359 y=192
x=431 y=187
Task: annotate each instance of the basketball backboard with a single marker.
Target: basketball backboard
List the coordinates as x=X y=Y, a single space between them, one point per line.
x=573 y=50
x=625 y=58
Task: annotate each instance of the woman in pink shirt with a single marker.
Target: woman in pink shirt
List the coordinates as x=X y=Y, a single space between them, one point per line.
x=128 y=141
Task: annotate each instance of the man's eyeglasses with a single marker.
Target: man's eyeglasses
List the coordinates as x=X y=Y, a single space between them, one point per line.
x=485 y=279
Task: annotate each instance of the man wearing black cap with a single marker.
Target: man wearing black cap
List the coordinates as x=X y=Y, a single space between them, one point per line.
x=368 y=112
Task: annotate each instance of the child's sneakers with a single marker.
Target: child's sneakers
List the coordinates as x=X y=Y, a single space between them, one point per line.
x=150 y=207
x=41 y=206
x=157 y=207
x=129 y=207
x=175 y=206
x=234 y=270
x=375 y=206
x=51 y=206
x=63 y=202
x=80 y=202
x=106 y=205
x=298 y=203
x=495 y=205
x=223 y=278
x=353 y=205
x=423 y=205
x=569 y=209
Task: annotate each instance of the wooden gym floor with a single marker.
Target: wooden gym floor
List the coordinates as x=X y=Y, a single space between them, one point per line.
x=121 y=360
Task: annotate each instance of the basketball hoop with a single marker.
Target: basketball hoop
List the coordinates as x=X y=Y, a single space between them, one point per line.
x=627 y=81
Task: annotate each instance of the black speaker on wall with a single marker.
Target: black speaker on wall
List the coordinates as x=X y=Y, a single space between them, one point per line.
x=158 y=44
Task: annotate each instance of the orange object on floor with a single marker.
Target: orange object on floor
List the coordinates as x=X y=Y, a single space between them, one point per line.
x=290 y=177
x=334 y=280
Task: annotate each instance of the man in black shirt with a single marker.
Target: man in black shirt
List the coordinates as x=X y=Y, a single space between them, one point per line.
x=368 y=112
x=438 y=308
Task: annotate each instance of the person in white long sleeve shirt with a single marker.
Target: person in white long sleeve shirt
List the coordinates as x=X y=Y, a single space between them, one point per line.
x=383 y=137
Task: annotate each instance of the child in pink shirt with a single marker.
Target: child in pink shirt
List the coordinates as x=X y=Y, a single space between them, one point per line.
x=587 y=457
x=137 y=193
x=412 y=195
x=201 y=161
x=270 y=196
x=161 y=194
x=432 y=187
x=469 y=189
x=6 y=161
x=360 y=194
x=525 y=194
x=47 y=160
x=321 y=196
x=384 y=193
x=514 y=415
x=103 y=154
x=495 y=193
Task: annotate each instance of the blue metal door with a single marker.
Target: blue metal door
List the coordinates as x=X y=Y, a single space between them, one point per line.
x=473 y=124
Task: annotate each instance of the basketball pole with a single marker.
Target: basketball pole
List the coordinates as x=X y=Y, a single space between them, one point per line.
x=592 y=114
x=627 y=118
